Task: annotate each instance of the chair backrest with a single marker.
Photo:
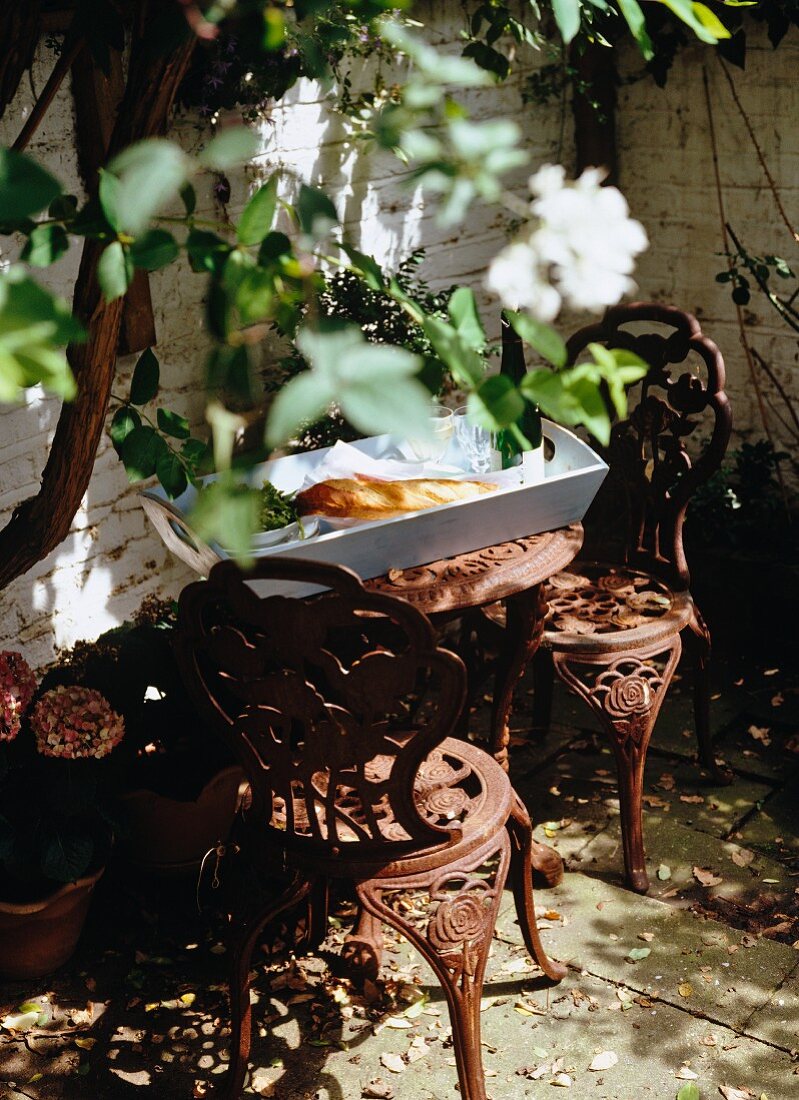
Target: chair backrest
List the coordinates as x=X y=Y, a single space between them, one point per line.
x=675 y=437
x=330 y=702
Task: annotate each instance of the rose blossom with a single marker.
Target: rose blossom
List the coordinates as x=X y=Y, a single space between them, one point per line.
x=578 y=249
x=17 y=685
x=74 y=722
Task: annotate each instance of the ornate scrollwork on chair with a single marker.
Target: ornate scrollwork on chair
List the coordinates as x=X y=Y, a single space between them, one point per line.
x=614 y=618
x=340 y=708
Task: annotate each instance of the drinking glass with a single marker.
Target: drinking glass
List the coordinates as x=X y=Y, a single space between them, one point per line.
x=478 y=444
x=433 y=449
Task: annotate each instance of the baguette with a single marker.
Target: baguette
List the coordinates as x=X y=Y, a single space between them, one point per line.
x=366 y=499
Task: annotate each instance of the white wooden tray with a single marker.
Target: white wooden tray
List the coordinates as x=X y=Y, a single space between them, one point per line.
x=573 y=475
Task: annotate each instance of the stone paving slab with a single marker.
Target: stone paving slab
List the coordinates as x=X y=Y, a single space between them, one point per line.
x=602 y=923
x=774 y=829
x=530 y=1034
x=777 y=1021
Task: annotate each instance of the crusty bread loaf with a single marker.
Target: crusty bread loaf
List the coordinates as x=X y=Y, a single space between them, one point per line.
x=366 y=498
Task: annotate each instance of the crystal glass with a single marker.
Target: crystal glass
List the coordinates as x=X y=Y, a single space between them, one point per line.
x=478 y=444
x=433 y=449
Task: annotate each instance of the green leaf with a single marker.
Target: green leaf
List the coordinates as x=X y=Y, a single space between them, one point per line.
x=25 y=187
x=228 y=513
x=567 y=17
x=32 y=323
x=46 y=244
x=141 y=451
x=689 y=1091
x=274 y=29
x=259 y=213
x=397 y=405
x=188 y=196
x=114 y=271
x=317 y=214
x=664 y=872
x=231 y=147
x=207 y=251
x=124 y=420
x=254 y=295
x=544 y=339
x=440 y=68
x=302 y=400
x=273 y=246
x=172 y=423
x=496 y=403
x=170 y=472
x=636 y=954
x=636 y=21
x=66 y=853
x=63 y=207
x=151 y=174
x=154 y=250
x=684 y=9
x=710 y=21
x=108 y=194
x=464 y=363
x=465 y=317
x=146 y=376
x=367 y=267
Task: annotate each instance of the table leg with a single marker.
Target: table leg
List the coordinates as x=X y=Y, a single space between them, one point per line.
x=525 y=615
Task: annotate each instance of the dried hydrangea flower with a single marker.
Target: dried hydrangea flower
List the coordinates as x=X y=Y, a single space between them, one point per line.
x=17 y=687
x=74 y=722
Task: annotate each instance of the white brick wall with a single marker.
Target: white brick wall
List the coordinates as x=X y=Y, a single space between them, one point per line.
x=112 y=559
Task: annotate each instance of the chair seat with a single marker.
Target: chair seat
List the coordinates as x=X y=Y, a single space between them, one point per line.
x=458 y=784
x=600 y=608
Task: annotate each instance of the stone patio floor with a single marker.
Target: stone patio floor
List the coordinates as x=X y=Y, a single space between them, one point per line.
x=711 y=998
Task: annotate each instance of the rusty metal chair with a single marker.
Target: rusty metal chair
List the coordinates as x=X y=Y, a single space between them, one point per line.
x=614 y=631
x=339 y=707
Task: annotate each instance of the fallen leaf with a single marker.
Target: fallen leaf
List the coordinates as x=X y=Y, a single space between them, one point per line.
x=392 y=1062
x=666 y=782
x=647 y=937
x=770 y=671
x=689 y=1092
x=771 y=881
x=685 y=989
x=729 y=1093
x=563 y=1080
x=664 y=872
x=638 y=953
x=21 y=1021
x=417 y=1049
x=778 y=699
x=552 y=914
x=686 y=1074
x=693 y=799
x=706 y=878
x=761 y=734
x=85 y=1044
x=605 y=1060
x=377 y=1090
x=742 y=857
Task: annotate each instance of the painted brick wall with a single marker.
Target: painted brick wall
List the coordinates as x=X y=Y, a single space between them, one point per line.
x=112 y=559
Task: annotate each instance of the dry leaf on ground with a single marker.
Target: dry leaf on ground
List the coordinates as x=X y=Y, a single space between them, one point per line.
x=742 y=857
x=392 y=1062
x=605 y=1060
x=705 y=877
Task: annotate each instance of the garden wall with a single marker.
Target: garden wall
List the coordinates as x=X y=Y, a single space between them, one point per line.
x=112 y=559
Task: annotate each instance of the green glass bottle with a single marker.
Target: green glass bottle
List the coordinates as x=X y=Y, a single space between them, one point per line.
x=529 y=423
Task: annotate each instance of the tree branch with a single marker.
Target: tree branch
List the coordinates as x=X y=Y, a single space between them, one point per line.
x=42 y=522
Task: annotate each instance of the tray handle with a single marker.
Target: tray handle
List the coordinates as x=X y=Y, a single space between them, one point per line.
x=177 y=535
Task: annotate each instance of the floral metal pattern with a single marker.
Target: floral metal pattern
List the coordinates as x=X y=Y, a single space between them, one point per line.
x=595 y=599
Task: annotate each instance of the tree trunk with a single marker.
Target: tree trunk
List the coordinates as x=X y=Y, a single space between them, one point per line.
x=42 y=522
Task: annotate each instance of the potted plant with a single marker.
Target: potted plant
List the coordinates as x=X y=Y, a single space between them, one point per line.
x=176 y=784
x=55 y=827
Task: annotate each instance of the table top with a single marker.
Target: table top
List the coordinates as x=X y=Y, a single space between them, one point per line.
x=483 y=576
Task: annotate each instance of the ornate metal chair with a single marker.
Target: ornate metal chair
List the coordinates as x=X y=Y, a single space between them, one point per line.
x=339 y=707
x=613 y=632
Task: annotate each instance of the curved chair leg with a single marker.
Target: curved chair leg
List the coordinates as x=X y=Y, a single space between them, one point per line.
x=362 y=952
x=240 y=1009
x=521 y=833
x=698 y=638
x=626 y=696
x=525 y=615
x=456 y=943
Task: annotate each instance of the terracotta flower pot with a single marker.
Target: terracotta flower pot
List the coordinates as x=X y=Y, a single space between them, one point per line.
x=167 y=836
x=37 y=937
